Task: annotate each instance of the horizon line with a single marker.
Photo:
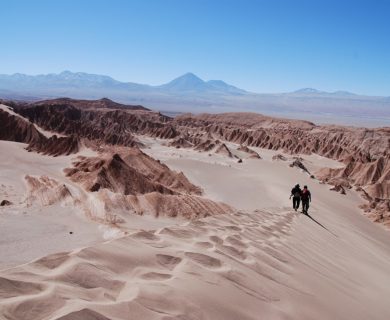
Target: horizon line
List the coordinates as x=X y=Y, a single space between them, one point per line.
x=299 y=90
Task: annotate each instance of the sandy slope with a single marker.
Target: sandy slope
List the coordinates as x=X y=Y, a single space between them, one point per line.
x=29 y=231
x=269 y=263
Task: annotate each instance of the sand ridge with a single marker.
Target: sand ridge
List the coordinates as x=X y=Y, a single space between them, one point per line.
x=251 y=265
x=206 y=252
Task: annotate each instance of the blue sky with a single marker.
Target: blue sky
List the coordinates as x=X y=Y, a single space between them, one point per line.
x=262 y=46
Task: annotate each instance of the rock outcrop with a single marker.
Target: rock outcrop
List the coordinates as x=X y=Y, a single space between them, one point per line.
x=297 y=163
x=132 y=181
x=224 y=150
x=131 y=172
x=338 y=188
x=252 y=153
x=206 y=145
x=46 y=191
x=5 y=202
x=181 y=142
x=56 y=146
x=279 y=157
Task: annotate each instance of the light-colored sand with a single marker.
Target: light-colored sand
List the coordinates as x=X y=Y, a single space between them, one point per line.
x=29 y=231
x=271 y=263
x=252 y=184
x=41 y=217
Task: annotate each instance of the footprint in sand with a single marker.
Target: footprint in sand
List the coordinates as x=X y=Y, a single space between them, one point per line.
x=145 y=235
x=88 y=276
x=178 y=233
x=216 y=239
x=13 y=288
x=204 y=244
x=234 y=228
x=198 y=223
x=232 y=251
x=235 y=241
x=52 y=261
x=167 y=261
x=156 y=276
x=204 y=260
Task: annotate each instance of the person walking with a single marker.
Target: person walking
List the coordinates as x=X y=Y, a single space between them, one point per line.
x=296 y=194
x=306 y=199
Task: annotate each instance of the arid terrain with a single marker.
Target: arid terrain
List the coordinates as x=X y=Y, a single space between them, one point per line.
x=112 y=211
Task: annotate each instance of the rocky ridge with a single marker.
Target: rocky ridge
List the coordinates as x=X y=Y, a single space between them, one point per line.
x=103 y=125
x=19 y=129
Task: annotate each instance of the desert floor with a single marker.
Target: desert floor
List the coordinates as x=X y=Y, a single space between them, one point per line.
x=265 y=261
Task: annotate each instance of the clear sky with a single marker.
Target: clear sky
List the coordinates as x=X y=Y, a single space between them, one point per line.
x=262 y=46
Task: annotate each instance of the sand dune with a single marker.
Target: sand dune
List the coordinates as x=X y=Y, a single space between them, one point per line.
x=274 y=265
x=42 y=212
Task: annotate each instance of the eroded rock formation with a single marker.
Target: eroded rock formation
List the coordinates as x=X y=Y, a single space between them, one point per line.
x=102 y=124
x=56 y=146
x=252 y=153
x=365 y=152
x=14 y=128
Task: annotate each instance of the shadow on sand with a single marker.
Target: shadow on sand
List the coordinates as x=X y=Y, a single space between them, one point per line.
x=321 y=225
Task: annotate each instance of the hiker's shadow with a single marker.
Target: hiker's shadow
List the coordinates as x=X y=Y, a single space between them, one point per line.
x=321 y=225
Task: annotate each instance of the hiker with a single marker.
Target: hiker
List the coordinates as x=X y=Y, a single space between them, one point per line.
x=306 y=199
x=296 y=194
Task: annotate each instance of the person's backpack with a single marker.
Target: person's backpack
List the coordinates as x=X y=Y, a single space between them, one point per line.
x=296 y=192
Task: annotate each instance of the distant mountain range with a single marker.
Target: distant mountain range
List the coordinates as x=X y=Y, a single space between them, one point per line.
x=189 y=93
x=56 y=84
x=191 y=83
x=315 y=91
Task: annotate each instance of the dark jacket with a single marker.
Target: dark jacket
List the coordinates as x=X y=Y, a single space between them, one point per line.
x=296 y=192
